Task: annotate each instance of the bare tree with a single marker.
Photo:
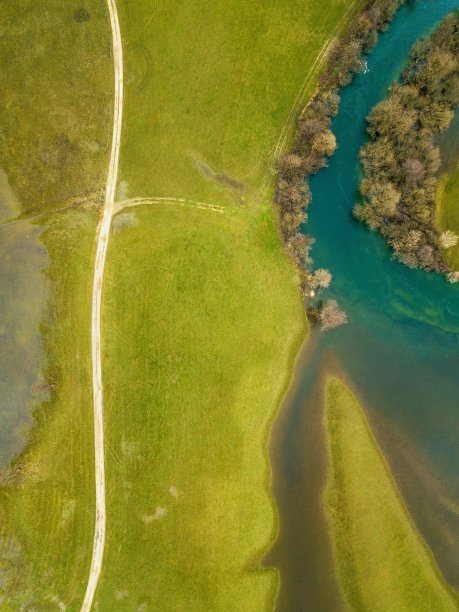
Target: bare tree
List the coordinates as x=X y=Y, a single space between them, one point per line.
x=331 y=316
x=448 y=239
x=321 y=278
x=291 y=167
x=324 y=143
x=311 y=127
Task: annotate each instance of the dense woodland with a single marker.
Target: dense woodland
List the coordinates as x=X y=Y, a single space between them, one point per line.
x=314 y=142
x=401 y=160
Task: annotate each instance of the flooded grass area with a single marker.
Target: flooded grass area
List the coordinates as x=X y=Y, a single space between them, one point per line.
x=47 y=495
x=417 y=482
x=22 y=307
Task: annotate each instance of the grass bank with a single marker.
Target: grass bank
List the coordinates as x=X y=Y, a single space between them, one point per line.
x=382 y=562
x=447 y=214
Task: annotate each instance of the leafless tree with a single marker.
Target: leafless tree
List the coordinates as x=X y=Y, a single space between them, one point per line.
x=321 y=278
x=448 y=239
x=331 y=316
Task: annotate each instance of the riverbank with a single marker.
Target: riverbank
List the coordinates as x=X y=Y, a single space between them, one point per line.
x=398 y=351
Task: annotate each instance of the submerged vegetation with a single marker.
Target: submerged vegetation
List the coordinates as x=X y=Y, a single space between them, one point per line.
x=314 y=141
x=383 y=563
x=401 y=160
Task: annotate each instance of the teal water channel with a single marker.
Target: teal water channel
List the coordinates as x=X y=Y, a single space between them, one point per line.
x=399 y=353
x=22 y=308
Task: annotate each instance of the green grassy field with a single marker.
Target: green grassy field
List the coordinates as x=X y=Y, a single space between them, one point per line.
x=382 y=562
x=214 y=82
x=201 y=319
x=201 y=325
x=448 y=212
x=55 y=131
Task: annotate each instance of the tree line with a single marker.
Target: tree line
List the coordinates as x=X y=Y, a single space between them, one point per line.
x=401 y=159
x=314 y=142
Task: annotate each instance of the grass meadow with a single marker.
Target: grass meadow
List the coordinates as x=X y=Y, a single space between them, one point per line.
x=382 y=562
x=55 y=132
x=56 y=102
x=215 y=82
x=201 y=316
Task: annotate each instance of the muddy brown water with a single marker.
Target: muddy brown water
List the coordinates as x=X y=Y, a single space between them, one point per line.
x=298 y=450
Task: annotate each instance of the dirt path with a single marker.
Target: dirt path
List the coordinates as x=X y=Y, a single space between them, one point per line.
x=119 y=206
x=102 y=243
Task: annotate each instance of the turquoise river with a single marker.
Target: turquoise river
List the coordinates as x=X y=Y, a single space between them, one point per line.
x=399 y=353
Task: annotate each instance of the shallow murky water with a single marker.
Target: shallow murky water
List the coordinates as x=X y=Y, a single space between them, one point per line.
x=22 y=306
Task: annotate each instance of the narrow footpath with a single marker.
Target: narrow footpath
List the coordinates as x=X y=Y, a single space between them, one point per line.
x=102 y=243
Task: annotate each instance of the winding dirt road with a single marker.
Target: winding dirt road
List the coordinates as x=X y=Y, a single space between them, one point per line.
x=102 y=243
